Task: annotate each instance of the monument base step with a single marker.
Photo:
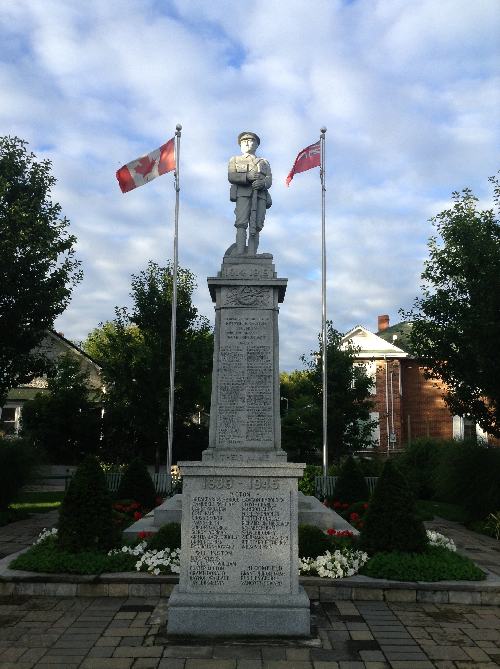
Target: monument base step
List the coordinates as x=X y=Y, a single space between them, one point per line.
x=311 y=512
x=228 y=615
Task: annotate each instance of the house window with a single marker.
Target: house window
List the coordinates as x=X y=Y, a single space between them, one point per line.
x=370 y=369
x=469 y=429
x=8 y=420
x=374 y=415
x=375 y=433
x=466 y=429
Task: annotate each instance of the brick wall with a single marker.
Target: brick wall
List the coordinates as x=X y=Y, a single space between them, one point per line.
x=422 y=405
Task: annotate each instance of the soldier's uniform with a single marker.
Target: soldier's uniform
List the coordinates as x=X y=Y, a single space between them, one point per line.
x=242 y=191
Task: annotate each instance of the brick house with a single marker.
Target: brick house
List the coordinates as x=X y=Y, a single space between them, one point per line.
x=407 y=405
x=53 y=345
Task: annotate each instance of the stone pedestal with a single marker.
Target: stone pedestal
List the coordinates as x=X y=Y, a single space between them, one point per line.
x=239 y=557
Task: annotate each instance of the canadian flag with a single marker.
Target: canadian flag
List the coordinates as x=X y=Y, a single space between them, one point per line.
x=307 y=158
x=148 y=167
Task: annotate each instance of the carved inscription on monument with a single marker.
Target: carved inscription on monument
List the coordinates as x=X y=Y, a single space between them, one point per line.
x=247 y=272
x=245 y=382
x=239 y=540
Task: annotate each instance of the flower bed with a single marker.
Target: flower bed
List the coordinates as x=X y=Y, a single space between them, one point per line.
x=45 y=556
x=341 y=560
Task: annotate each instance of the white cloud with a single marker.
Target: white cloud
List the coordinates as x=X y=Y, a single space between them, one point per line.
x=408 y=91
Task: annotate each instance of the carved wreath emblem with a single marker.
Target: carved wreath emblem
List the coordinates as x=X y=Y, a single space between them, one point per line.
x=247 y=296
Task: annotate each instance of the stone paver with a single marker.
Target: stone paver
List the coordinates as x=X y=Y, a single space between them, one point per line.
x=108 y=632
x=16 y=536
x=104 y=633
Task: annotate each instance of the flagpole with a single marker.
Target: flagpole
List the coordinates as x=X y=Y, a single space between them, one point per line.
x=173 y=321
x=323 y=305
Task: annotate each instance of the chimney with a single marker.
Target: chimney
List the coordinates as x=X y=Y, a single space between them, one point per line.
x=383 y=322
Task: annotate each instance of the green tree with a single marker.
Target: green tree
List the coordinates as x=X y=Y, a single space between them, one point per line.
x=299 y=421
x=37 y=265
x=349 y=404
x=134 y=351
x=456 y=322
x=64 y=423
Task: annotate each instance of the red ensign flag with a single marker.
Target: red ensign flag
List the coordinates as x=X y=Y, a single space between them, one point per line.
x=147 y=168
x=307 y=158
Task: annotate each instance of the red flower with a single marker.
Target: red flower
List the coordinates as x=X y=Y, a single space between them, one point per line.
x=135 y=505
x=365 y=506
x=331 y=532
x=345 y=506
x=354 y=516
x=337 y=505
x=137 y=515
x=144 y=535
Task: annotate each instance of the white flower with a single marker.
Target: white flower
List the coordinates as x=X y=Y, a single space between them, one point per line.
x=45 y=534
x=437 y=539
x=159 y=561
x=341 y=563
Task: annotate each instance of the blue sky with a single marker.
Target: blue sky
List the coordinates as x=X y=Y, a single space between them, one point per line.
x=409 y=92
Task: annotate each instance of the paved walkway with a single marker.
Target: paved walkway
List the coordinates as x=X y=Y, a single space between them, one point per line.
x=483 y=550
x=107 y=633
x=16 y=536
x=112 y=632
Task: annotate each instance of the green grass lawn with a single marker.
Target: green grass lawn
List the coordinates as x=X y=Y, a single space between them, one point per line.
x=38 y=502
x=31 y=502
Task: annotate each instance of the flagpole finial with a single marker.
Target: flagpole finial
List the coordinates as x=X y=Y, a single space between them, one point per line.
x=178 y=128
x=322 y=130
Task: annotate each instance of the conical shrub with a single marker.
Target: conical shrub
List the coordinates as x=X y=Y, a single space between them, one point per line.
x=390 y=524
x=351 y=485
x=85 y=516
x=137 y=484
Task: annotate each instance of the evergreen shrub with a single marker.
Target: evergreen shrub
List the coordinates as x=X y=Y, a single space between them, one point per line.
x=469 y=475
x=351 y=485
x=17 y=461
x=137 y=484
x=434 y=564
x=168 y=536
x=85 y=516
x=48 y=558
x=390 y=524
x=312 y=541
x=371 y=466
x=419 y=462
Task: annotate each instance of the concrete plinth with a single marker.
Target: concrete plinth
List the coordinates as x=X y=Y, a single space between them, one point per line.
x=239 y=556
x=230 y=615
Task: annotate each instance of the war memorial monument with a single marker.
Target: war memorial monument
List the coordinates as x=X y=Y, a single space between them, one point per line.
x=239 y=559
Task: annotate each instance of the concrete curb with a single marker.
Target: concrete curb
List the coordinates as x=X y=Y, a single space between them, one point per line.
x=354 y=588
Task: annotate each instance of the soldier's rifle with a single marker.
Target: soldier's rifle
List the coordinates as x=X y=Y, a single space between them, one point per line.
x=252 y=223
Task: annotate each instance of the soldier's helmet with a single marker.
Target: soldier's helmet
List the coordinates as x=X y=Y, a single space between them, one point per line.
x=248 y=134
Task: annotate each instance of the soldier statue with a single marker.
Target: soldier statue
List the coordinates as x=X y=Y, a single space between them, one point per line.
x=250 y=178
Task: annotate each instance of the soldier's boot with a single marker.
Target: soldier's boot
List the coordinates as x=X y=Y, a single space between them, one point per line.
x=241 y=237
x=253 y=244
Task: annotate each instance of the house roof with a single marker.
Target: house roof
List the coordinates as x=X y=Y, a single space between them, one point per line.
x=398 y=334
x=24 y=393
x=72 y=345
x=372 y=345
